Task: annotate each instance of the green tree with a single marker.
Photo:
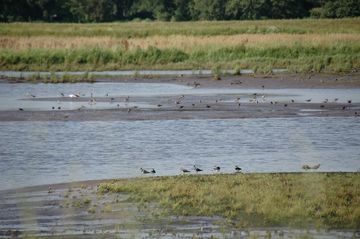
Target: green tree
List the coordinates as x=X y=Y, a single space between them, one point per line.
x=207 y=9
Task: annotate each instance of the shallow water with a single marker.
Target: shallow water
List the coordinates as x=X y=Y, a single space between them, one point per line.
x=33 y=153
x=14 y=96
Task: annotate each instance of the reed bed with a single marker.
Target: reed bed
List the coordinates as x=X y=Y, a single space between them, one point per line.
x=297 y=58
x=306 y=200
x=181 y=42
x=327 y=45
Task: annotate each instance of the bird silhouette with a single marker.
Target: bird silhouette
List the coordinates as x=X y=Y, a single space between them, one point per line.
x=216 y=169
x=184 y=170
x=143 y=171
x=197 y=169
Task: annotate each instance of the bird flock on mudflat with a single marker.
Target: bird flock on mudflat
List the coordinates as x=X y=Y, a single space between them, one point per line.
x=255 y=98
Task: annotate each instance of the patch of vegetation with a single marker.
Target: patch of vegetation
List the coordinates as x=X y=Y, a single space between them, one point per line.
x=297 y=58
x=81 y=203
x=321 y=200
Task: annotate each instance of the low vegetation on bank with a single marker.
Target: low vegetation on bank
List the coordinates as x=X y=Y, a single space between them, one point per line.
x=306 y=200
x=297 y=45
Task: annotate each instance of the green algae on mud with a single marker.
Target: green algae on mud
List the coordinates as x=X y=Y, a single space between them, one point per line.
x=305 y=200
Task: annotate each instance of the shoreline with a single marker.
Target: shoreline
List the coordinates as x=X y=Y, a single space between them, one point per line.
x=243 y=81
x=95 y=182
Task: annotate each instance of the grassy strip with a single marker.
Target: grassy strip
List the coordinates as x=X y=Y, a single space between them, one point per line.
x=321 y=200
x=297 y=58
x=204 y=28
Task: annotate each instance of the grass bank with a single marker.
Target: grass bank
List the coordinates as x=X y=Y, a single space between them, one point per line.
x=201 y=28
x=297 y=58
x=306 y=200
x=326 y=45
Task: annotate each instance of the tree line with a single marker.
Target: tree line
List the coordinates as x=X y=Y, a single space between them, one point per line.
x=172 y=10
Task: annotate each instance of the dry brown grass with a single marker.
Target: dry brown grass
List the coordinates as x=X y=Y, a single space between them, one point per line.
x=186 y=43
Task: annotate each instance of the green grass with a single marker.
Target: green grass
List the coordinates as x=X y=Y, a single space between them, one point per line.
x=202 y=28
x=301 y=55
x=306 y=200
x=298 y=58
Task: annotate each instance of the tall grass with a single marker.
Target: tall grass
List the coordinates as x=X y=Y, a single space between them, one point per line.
x=181 y=42
x=299 y=58
x=321 y=200
x=326 y=45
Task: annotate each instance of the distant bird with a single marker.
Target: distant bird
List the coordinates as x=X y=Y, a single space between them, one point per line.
x=308 y=100
x=62 y=94
x=208 y=106
x=336 y=99
x=21 y=109
x=143 y=171
x=159 y=105
x=285 y=105
x=33 y=96
x=349 y=101
x=74 y=95
x=152 y=171
x=344 y=107
x=197 y=169
x=53 y=107
x=59 y=108
x=216 y=169
x=308 y=167
x=322 y=106
x=237 y=169
x=325 y=101
x=181 y=107
x=193 y=105
x=50 y=190
x=292 y=101
x=129 y=110
x=184 y=170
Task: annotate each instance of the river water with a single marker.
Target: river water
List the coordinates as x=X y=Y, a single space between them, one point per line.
x=33 y=153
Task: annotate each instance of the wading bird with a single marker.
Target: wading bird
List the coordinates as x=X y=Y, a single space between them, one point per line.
x=184 y=170
x=307 y=167
x=237 y=169
x=197 y=169
x=217 y=169
x=143 y=171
